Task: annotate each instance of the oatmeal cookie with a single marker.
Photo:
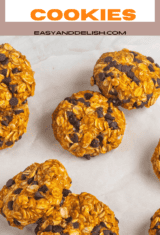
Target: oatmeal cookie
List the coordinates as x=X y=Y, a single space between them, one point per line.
x=155 y=224
x=13 y=124
x=80 y=214
x=87 y=124
x=129 y=78
x=16 y=77
x=34 y=193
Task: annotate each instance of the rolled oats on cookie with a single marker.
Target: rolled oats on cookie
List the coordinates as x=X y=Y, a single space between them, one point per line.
x=80 y=214
x=155 y=224
x=87 y=124
x=16 y=77
x=33 y=193
x=156 y=160
x=13 y=124
x=129 y=78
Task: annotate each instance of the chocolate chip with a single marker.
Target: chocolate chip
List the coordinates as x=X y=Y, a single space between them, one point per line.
x=106 y=68
x=126 y=68
x=48 y=229
x=38 y=196
x=137 y=60
x=126 y=101
x=151 y=68
x=113 y=125
x=96 y=230
x=39 y=221
x=43 y=189
x=134 y=53
x=84 y=102
x=30 y=180
x=9 y=143
x=24 y=102
x=10 y=183
x=15 y=70
x=99 y=112
x=5 y=61
x=37 y=229
x=108 y=117
x=18 y=111
x=157 y=65
x=62 y=201
x=154 y=81
x=151 y=218
x=72 y=101
x=108 y=59
x=35 y=183
x=76 y=225
x=94 y=143
x=87 y=156
x=23 y=177
x=158 y=81
x=110 y=75
x=73 y=120
x=66 y=192
x=113 y=63
x=149 y=96
x=68 y=220
x=100 y=137
x=107 y=232
x=57 y=229
x=12 y=88
x=2 y=213
x=13 y=101
x=101 y=91
x=9 y=118
x=101 y=76
x=114 y=92
x=116 y=102
x=150 y=59
x=16 y=222
x=130 y=74
x=158 y=232
x=4 y=72
x=6 y=80
x=88 y=96
x=74 y=138
x=2 y=57
x=103 y=225
x=10 y=205
x=4 y=123
x=18 y=191
x=136 y=80
x=119 y=67
x=1 y=143
x=109 y=110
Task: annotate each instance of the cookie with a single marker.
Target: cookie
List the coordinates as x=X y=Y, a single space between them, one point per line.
x=80 y=214
x=87 y=124
x=16 y=77
x=13 y=124
x=156 y=160
x=34 y=192
x=129 y=78
x=155 y=224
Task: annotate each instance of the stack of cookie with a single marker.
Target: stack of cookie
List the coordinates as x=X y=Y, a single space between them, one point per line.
x=16 y=85
x=40 y=194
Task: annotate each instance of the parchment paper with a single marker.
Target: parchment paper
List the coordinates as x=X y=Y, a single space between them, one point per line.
x=123 y=178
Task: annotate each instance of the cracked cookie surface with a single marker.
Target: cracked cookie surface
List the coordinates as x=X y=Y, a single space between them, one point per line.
x=87 y=124
x=13 y=124
x=129 y=78
x=34 y=193
x=16 y=77
x=80 y=214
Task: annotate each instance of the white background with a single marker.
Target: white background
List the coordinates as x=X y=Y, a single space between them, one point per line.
x=123 y=178
x=19 y=11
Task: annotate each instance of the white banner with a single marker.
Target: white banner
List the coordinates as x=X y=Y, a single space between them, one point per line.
x=80 y=11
